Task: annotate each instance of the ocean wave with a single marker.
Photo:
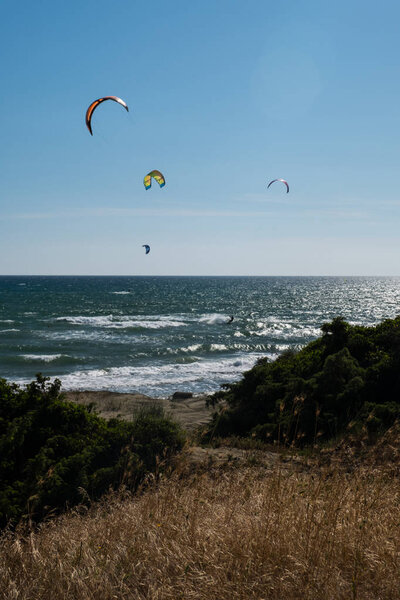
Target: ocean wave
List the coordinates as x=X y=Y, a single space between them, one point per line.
x=168 y=351
x=44 y=357
x=214 y=319
x=7 y=321
x=218 y=347
x=8 y=330
x=157 y=324
x=122 y=293
x=280 y=329
x=191 y=348
x=238 y=334
x=282 y=347
x=123 y=322
x=162 y=380
x=205 y=349
x=253 y=347
x=105 y=336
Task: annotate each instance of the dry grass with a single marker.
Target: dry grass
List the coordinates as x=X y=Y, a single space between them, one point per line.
x=223 y=533
x=190 y=413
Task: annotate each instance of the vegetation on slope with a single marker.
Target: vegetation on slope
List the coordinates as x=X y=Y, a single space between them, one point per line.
x=55 y=453
x=348 y=379
x=325 y=525
x=271 y=531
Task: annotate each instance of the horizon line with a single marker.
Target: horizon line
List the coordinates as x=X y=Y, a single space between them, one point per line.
x=171 y=275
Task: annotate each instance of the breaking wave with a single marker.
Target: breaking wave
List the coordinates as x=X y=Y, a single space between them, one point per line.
x=123 y=322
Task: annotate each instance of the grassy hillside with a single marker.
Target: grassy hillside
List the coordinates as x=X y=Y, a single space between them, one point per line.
x=258 y=524
x=255 y=530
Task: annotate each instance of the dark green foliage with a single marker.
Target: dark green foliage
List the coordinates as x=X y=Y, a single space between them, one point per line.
x=55 y=453
x=348 y=378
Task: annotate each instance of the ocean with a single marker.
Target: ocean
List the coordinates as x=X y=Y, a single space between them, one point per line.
x=158 y=335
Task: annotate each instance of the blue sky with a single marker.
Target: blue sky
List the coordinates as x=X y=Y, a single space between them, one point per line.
x=223 y=96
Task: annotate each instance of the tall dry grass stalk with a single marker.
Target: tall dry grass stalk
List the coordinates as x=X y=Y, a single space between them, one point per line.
x=239 y=533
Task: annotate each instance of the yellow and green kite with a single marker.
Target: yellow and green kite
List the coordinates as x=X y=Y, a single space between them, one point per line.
x=159 y=177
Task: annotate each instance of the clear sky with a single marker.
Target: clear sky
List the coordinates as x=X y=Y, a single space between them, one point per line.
x=224 y=96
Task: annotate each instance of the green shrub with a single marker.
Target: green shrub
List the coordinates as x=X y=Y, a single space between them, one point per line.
x=55 y=453
x=348 y=378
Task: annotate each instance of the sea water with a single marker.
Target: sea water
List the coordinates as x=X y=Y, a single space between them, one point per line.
x=158 y=335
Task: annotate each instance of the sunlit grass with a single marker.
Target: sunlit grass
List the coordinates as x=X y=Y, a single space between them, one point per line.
x=234 y=532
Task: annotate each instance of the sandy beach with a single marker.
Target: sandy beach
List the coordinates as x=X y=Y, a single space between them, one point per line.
x=189 y=412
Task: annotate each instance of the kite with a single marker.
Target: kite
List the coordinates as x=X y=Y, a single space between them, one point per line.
x=147 y=248
x=159 y=177
x=283 y=181
x=95 y=104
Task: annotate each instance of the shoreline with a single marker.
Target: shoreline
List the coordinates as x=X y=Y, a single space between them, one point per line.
x=190 y=412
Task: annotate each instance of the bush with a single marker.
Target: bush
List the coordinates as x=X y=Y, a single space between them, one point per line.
x=55 y=453
x=350 y=375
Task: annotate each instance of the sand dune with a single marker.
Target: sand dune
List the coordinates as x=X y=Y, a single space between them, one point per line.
x=189 y=412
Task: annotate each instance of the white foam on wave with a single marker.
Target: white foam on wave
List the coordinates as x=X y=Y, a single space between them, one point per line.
x=7 y=321
x=8 y=330
x=214 y=319
x=218 y=347
x=100 y=335
x=191 y=348
x=122 y=293
x=253 y=347
x=281 y=329
x=282 y=347
x=157 y=324
x=206 y=348
x=163 y=379
x=83 y=320
x=124 y=322
x=43 y=357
